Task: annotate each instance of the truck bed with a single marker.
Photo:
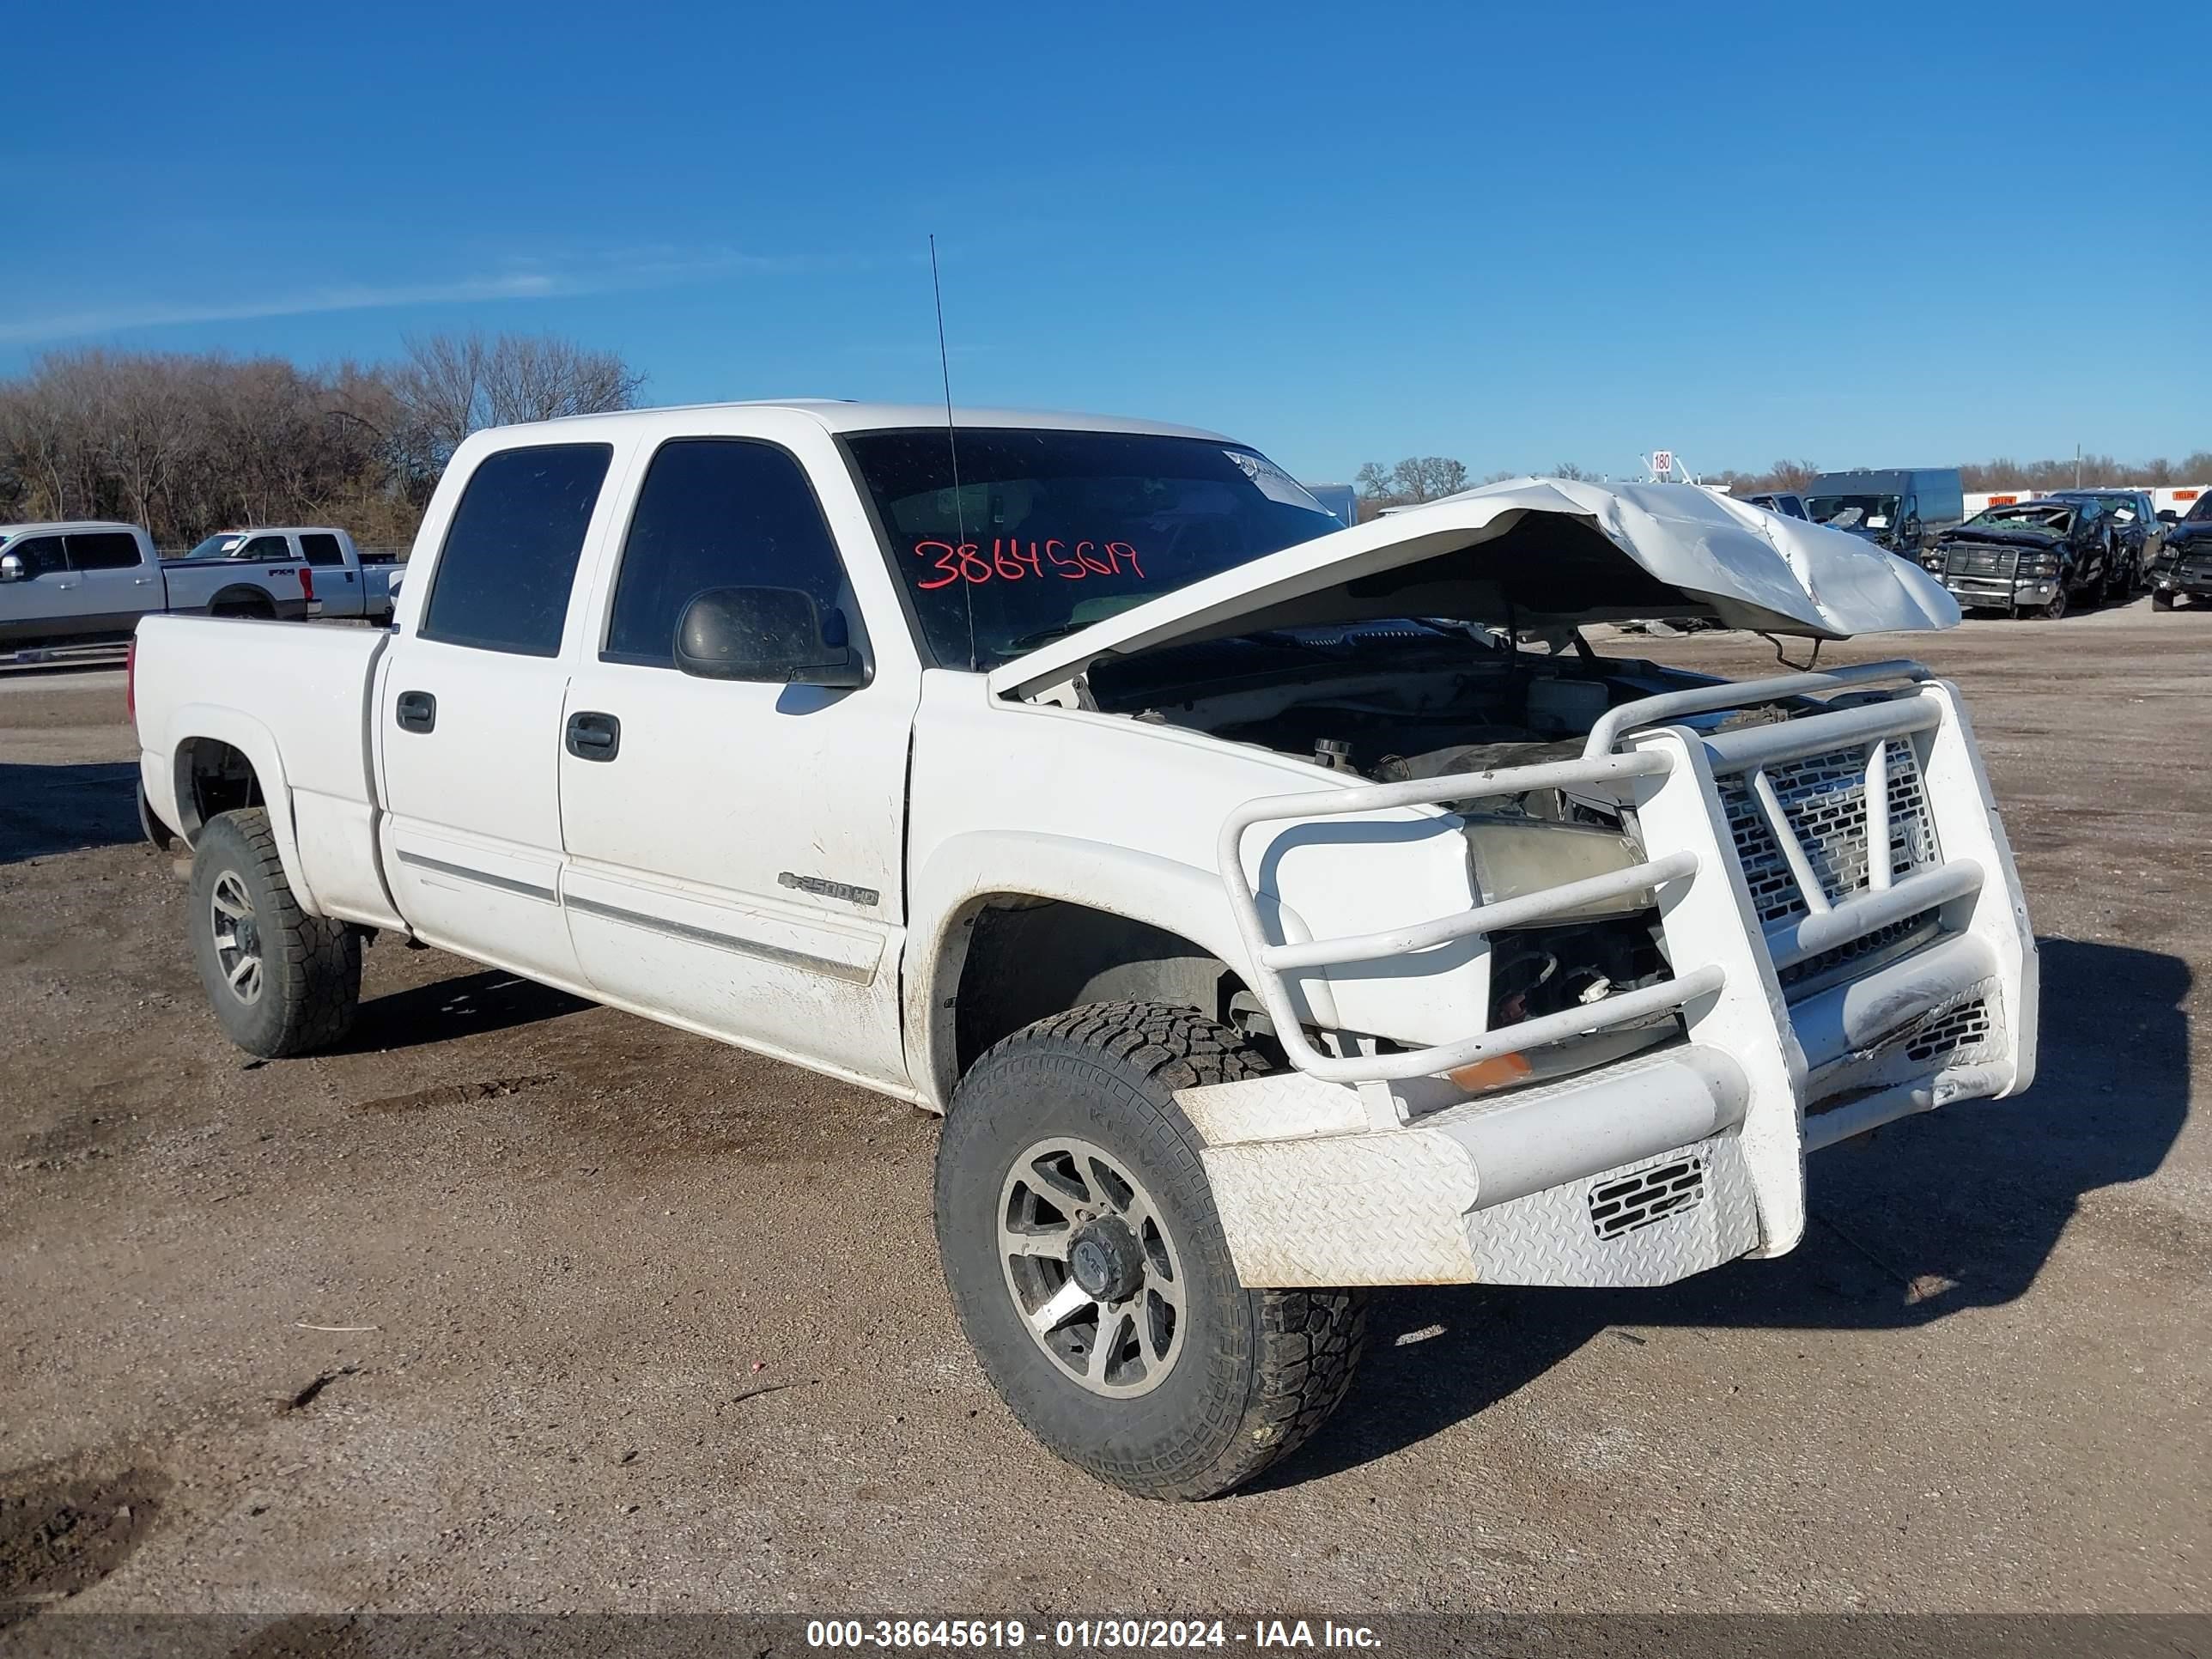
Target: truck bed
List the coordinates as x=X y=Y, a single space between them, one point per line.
x=295 y=702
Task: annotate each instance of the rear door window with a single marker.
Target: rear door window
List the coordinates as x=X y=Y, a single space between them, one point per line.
x=509 y=557
x=321 y=550
x=103 y=549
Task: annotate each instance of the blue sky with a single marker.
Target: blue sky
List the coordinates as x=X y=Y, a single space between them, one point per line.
x=1517 y=234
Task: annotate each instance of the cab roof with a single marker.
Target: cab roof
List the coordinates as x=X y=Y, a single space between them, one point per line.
x=844 y=415
x=60 y=526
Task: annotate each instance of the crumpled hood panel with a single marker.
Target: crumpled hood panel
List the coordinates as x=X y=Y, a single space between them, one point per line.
x=1684 y=551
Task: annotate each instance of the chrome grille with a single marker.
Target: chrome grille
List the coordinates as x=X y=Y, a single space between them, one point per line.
x=1982 y=561
x=1824 y=797
x=1882 y=939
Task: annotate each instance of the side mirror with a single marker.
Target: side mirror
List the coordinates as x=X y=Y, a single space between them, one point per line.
x=11 y=569
x=2165 y=515
x=776 y=634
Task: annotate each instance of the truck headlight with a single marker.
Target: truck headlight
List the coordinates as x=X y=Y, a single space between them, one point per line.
x=1515 y=856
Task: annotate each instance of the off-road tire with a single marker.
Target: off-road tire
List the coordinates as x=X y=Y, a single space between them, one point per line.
x=310 y=966
x=2161 y=601
x=1259 y=1371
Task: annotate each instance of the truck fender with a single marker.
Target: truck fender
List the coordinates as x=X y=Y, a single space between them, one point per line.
x=258 y=744
x=251 y=594
x=964 y=871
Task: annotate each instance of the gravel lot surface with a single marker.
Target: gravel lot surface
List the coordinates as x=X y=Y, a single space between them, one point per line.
x=524 y=1303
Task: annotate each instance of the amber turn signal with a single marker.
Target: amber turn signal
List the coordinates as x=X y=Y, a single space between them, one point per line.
x=1492 y=1073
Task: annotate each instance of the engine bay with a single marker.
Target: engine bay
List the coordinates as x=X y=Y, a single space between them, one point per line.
x=1401 y=701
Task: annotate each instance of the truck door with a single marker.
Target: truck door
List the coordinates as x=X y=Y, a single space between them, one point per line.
x=116 y=583
x=736 y=847
x=468 y=713
x=45 y=602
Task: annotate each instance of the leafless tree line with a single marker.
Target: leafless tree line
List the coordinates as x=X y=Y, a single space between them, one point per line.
x=2005 y=473
x=187 y=444
x=1430 y=477
x=1426 y=477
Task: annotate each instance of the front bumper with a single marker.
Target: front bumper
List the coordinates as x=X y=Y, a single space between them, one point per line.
x=2188 y=577
x=1816 y=1024
x=2002 y=593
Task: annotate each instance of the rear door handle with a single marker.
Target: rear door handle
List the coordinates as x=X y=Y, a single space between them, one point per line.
x=417 y=711
x=594 y=736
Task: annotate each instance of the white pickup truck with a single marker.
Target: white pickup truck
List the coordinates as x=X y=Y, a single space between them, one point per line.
x=89 y=582
x=288 y=571
x=1273 y=909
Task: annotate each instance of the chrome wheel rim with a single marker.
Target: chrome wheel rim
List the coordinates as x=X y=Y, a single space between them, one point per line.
x=1094 y=1275
x=237 y=935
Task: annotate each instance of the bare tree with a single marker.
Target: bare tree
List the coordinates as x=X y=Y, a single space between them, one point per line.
x=185 y=445
x=451 y=385
x=1416 y=478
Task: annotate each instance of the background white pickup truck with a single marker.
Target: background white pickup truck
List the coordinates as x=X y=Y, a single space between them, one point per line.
x=81 y=583
x=285 y=571
x=1267 y=919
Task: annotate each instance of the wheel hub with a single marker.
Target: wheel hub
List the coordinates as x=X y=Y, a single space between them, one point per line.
x=236 y=933
x=1096 y=1275
x=1107 y=1261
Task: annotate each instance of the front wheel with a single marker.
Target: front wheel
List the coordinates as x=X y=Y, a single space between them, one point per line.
x=2056 y=608
x=281 y=981
x=1089 y=1268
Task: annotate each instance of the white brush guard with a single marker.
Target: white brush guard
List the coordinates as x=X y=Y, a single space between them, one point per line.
x=1823 y=989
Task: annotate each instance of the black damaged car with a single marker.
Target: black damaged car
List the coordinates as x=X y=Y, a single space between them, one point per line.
x=2183 y=569
x=2034 y=558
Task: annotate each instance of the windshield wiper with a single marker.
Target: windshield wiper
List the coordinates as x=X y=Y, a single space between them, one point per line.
x=1047 y=636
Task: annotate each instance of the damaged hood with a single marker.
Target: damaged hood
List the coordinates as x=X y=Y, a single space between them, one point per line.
x=1537 y=553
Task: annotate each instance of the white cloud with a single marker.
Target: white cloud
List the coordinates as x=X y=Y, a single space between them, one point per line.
x=657 y=268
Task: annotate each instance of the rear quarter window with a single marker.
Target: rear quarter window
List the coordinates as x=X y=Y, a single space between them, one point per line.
x=509 y=561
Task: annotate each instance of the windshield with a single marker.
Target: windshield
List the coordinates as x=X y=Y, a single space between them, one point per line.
x=2201 y=513
x=1050 y=531
x=2025 y=515
x=1853 y=511
x=219 y=546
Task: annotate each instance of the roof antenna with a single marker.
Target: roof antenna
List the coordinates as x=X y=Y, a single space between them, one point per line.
x=952 y=442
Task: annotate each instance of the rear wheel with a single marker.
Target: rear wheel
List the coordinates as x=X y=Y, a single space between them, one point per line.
x=281 y=982
x=1089 y=1271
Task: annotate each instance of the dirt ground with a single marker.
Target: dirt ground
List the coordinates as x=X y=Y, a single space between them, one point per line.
x=523 y=1304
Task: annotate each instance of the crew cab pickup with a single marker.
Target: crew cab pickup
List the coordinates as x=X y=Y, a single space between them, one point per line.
x=312 y=571
x=1273 y=909
x=89 y=582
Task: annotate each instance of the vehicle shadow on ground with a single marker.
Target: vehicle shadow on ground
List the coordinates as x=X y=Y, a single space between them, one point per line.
x=46 y=809
x=1957 y=1209
x=491 y=1001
